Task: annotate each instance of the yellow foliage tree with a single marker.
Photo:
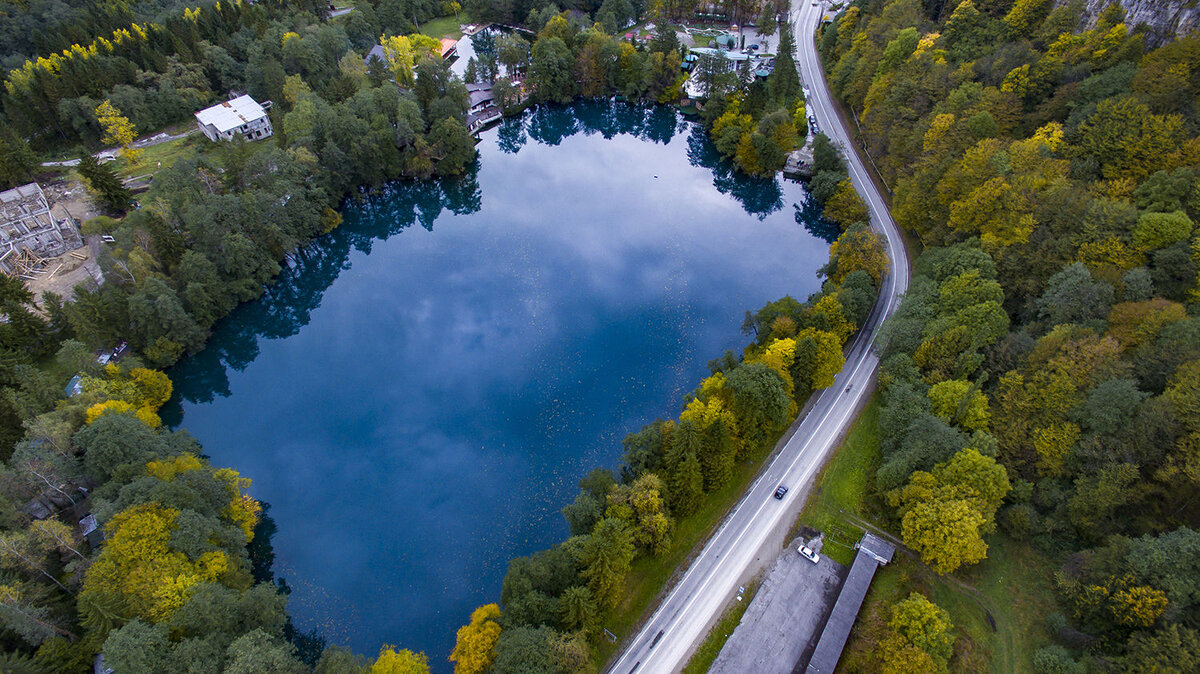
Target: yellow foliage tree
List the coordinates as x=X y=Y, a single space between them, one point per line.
x=403 y=53
x=845 y=207
x=475 y=646
x=778 y=356
x=1139 y=606
x=919 y=638
x=145 y=415
x=829 y=309
x=858 y=248
x=141 y=391
x=824 y=357
x=996 y=211
x=944 y=513
x=137 y=566
x=1051 y=444
x=1111 y=251
x=168 y=469
x=391 y=661
x=118 y=130
x=1135 y=323
x=954 y=400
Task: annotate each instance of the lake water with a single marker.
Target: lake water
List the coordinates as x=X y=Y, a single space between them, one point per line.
x=417 y=396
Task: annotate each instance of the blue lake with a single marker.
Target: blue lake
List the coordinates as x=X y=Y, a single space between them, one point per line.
x=418 y=394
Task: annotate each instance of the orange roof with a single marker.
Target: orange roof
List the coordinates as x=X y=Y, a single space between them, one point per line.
x=448 y=45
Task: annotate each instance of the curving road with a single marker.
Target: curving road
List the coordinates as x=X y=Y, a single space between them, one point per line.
x=683 y=617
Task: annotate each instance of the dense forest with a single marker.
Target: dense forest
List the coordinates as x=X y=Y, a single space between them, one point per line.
x=1040 y=379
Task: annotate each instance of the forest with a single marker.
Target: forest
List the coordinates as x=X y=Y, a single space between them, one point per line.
x=1039 y=381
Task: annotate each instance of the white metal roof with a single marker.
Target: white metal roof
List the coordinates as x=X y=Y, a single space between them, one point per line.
x=231 y=114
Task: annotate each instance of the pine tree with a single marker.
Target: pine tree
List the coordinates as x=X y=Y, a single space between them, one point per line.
x=105 y=183
x=687 y=486
x=784 y=81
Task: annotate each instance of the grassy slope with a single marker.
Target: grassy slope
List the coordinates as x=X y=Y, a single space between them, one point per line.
x=165 y=153
x=842 y=487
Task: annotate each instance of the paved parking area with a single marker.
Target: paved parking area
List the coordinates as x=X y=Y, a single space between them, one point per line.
x=785 y=618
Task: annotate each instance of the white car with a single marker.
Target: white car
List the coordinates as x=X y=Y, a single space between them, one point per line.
x=807 y=553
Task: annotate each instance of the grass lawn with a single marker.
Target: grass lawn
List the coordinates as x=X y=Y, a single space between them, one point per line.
x=165 y=153
x=842 y=487
x=1016 y=584
x=446 y=26
x=730 y=619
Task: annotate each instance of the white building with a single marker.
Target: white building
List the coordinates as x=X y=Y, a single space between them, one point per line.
x=242 y=115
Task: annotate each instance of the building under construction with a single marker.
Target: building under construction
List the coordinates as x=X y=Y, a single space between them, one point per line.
x=29 y=232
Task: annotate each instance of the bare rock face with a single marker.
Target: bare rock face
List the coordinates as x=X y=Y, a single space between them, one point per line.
x=1164 y=19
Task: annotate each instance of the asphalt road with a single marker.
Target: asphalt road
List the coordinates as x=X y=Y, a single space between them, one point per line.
x=682 y=619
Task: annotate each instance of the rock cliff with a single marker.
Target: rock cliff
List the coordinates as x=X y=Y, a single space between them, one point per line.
x=1164 y=19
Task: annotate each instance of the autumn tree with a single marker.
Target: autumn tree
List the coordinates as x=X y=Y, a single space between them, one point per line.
x=945 y=513
x=917 y=624
x=857 y=248
x=403 y=53
x=118 y=130
x=960 y=403
x=818 y=359
x=845 y=207
x=474 y=648
x=391 y=661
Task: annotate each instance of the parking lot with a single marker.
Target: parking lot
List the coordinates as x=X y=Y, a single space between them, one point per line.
x=785 y=618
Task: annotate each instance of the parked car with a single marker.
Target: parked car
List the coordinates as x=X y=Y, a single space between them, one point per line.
x=807 y=553
x=780 y=491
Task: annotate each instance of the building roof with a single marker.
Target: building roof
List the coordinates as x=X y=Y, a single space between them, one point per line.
x=448 y=45
x=377 y=52
x=31 y=190
x=229 y=115
x=872 y=551
x=878 y=548
x=480 y=96
x=833 y=638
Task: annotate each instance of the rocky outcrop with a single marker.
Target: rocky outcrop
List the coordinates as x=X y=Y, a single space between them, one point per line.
x=1164 y=20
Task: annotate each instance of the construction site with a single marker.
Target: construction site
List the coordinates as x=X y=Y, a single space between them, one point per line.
x=37 y=244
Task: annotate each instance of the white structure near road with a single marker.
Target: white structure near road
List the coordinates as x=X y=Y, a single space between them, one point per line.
x=242 y=115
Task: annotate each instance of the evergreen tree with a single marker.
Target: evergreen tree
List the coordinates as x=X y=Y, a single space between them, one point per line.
x=687 y=486
x=784 y=81
x=105 y=183
x=16 y=160
x=606 y=556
